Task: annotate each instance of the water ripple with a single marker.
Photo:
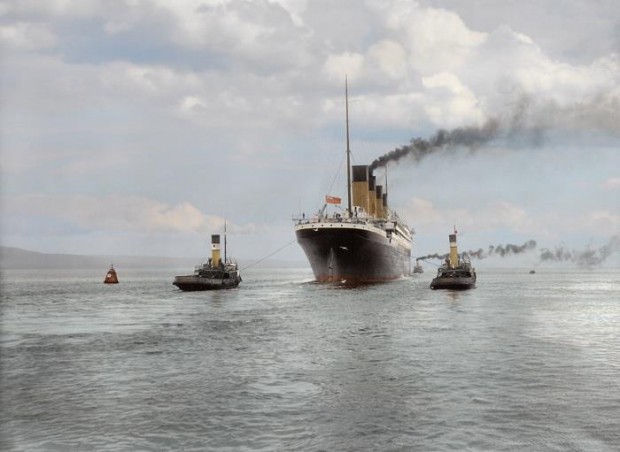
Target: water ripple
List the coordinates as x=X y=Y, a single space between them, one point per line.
x=283 y=364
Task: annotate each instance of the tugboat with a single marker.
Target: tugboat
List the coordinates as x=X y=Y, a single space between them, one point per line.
x=216 y=274
x=455 y=273
x=110 y=277
x=417 y=268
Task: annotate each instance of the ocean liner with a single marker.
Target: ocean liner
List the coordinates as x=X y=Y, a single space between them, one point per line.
x=367 y=242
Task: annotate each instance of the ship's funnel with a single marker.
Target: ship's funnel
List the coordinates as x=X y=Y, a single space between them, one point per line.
x=372 y=200
x=360 y=186
x=385 y=205
x=454 y=254
x=379 y=201
x=215 y=250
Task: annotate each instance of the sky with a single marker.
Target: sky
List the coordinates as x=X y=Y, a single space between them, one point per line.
x=138 y=127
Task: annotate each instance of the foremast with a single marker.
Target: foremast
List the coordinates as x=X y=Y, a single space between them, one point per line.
x=346 y=96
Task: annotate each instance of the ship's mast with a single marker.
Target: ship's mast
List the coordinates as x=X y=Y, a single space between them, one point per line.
x=224 y=242
x=346 y=95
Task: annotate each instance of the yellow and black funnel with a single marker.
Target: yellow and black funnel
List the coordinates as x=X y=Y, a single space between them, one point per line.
x=215 y=250
x=454 y=254
x=360 y=186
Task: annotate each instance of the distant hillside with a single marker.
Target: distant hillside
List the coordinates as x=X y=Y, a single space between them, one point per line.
x=17 y=258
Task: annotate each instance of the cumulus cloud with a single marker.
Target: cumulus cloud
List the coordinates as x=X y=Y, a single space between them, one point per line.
x=347 y=63
x=55 y=8
x=390 y=59
x=27 y=36
x=612 y=183
x=200 y=85
x=459 y=75
x=436 y=39
x=503 y=215
x=488 y=217
x=601 y=221
x=120 y=213
x=449 y=101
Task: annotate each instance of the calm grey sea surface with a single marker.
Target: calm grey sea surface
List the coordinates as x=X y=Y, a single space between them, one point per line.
x=522 y=362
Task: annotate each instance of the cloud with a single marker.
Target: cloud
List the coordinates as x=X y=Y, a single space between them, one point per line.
x=601 y=221
x=349 y=64
x=503 y=215
x=437 y=40
x=449 y=101
x=27 y=36
x=122 y=224
x=257 y=56
x=55 y=8
x=164 y=98
x=613 y=183
x=120 y=213
x=390 y=59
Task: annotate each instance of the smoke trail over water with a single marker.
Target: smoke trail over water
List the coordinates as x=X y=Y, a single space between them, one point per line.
x=586 y=258
x=499 y=250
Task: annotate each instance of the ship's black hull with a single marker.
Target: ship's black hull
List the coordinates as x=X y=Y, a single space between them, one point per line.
x=346 y=254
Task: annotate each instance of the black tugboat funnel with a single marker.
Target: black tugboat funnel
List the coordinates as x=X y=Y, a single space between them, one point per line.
x=215 y=250
x=360 y=186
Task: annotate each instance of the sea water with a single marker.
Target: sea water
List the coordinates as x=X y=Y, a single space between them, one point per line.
x=522 y=362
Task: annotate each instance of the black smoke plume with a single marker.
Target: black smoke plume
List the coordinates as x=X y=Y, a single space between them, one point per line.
x=499 y=250
x=469 y=137
x=585 y=258
x=432 y=256
x=527 y=122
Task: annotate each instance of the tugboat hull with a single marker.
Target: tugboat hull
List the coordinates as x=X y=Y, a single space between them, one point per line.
x=454 y=274
x=192 y=283
x=216 y=274
x=453 y=283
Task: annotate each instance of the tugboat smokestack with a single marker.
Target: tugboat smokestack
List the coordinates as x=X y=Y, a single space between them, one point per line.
x=454 y=254
x=215 y=250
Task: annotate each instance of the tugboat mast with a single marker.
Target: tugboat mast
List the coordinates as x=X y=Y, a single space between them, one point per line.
x=346 y=95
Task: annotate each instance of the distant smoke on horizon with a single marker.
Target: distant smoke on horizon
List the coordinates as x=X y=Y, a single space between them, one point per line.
x=586 y=258
x=499 y=250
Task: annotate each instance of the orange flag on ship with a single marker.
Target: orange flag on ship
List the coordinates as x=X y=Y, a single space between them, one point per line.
x=332 y=199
